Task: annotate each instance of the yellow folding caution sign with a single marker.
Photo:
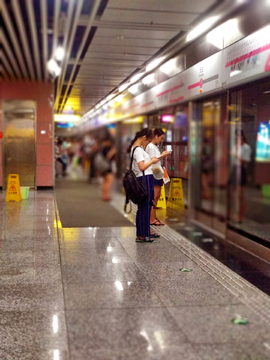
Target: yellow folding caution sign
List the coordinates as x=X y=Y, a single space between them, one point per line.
x=13 y=188
x=162 y=200
x=176 y=196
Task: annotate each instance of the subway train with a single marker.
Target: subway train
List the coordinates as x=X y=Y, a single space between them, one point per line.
x=211 y=95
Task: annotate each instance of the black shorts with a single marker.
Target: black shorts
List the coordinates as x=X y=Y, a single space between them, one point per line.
x=158 y=182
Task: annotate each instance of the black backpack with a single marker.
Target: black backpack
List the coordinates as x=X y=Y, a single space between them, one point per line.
x=135 y=190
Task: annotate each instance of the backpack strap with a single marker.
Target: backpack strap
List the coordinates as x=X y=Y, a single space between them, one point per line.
x=132 y=155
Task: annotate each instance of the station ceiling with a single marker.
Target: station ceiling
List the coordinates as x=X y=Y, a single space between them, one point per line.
x=104 y=41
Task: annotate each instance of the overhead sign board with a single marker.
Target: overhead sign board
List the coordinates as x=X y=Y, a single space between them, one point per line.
x=247 y=59
x=204 y=77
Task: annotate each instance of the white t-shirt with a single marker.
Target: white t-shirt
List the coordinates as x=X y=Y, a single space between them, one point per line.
x=140 y=155
x=244 y=152
x=152 y=150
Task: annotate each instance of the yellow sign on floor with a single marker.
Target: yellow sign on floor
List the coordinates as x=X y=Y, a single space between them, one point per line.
x=13 y=188
x=176 y=196
x=162 y=200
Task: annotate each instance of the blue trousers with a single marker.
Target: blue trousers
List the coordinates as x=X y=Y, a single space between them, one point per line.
x=144 y=209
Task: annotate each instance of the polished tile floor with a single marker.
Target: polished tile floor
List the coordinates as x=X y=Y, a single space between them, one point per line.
x=93 y=293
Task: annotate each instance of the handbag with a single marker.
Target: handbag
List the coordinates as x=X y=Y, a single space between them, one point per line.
x=135 y=190
x=158 y=172
x=101 y=164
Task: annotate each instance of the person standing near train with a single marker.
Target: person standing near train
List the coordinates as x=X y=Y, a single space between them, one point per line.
x=142 y=168
x=153 y=151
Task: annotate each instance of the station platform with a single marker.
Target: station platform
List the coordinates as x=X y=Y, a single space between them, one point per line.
x=92 y=292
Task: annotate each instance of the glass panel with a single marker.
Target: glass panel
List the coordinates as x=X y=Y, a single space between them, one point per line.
x=211 y=170
x=176 y=139
x=250 y=160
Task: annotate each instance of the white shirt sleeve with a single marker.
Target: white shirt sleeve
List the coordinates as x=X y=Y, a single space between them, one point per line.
x=152 y=150
x=138 y=155
x=246 y=152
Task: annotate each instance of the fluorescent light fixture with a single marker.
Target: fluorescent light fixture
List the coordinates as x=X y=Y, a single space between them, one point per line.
x=57 y=71
x=154 y=63
x=109 y=248
x=119 y=98
x=123 y=87
x=134 y=89
x=56 y=355
x=53 y=67
x=149 y=80
x=115 y=260
x=216 y=37
x=66 y=118
x=224 y=34
x=268 y=91
x=136 y=120
x=55 y=323
x=136 y=77
x=109 y=97
x=43 y=132
x=169 y=67
x=59 y=53
x=201 y=28
x=119 y=285
x=103 y=102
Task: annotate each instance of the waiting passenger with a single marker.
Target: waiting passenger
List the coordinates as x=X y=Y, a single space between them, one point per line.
x=242 y=157
x=58 y=157
x=142 y=167
x=153 y=151
x=108 y=149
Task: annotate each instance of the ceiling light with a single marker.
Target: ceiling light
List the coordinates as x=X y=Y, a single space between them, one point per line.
x=57 y=71
x=169 y=67
x=267 y=92
x=154 y=63
x=149 y=80
x=123 y=87
x=109 y=97
x=201 y=28
x=66 y=118
x=53 y=68
x=52 y=65
x=119 y=98
x=119 y=285
x=134 y=89
x=224 y=34
x=136 y=77
x=59 y=53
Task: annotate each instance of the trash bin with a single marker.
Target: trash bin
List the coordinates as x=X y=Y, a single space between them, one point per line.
x=24 y=192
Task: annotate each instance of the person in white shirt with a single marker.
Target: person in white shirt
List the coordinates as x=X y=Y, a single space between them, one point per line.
x=142 y=167
x=153 y=150
x=242 y=157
